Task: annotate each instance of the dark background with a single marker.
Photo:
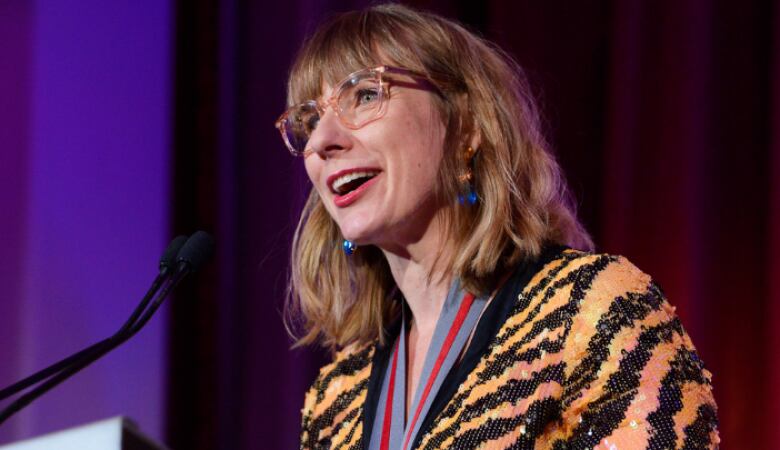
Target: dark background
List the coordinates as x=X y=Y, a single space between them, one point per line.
x=664 y=116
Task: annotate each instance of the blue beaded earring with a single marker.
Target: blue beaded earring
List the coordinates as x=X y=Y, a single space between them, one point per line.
x=349 y=247
x=470 y=196
x=468 y=193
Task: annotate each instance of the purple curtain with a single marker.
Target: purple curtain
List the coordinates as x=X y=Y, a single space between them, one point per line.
x=663 y=114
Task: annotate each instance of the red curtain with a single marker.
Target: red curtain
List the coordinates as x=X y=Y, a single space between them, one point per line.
x=771 y=420
x=665 y=115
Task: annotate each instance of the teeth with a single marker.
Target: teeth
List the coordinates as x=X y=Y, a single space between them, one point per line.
x=339 y=182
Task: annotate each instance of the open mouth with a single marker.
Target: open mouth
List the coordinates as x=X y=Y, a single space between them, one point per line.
x=347 y=183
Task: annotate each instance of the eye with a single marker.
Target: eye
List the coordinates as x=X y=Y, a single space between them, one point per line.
x=304 y=120
x=366 y=96
x=311 y=123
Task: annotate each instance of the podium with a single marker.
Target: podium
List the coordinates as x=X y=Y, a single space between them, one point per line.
x=117 y=433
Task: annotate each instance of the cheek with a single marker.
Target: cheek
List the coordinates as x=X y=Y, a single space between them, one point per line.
x=313 y=170
x=314 y=167
x=428 y=149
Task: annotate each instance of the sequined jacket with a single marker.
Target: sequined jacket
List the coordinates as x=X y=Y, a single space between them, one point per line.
x=576 y=351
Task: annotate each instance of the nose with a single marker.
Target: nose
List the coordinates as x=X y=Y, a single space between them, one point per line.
x=330 y=135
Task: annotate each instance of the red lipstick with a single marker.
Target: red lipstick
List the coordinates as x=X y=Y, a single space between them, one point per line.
x=342 y=201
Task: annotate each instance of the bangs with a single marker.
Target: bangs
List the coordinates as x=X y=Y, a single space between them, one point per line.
x=348 y=43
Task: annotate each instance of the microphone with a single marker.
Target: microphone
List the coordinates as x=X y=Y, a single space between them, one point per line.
x=197 y=251
x=190 y=254
x=166 y=264
x=170 y=253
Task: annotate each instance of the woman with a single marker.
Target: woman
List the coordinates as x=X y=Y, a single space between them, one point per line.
x=435 y=256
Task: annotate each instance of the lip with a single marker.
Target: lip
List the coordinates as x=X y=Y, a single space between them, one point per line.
x=341 y=173
x=342 y=201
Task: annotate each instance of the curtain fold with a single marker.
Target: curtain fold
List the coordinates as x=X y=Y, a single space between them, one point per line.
x=771 y=419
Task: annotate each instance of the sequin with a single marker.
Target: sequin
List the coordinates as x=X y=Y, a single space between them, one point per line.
x=599 y=386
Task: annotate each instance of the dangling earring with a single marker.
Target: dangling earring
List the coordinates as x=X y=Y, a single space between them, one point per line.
x=468 y=193
x=349 y=247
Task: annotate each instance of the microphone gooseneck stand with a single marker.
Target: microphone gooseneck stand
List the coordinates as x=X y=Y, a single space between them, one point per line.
x=166 y=263
x=182 y=257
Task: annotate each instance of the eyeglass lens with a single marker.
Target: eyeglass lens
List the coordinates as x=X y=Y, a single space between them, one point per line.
x=358 y=101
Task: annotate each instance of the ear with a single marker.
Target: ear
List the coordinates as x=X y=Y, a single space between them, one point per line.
x=476 y=139
x=472 y=136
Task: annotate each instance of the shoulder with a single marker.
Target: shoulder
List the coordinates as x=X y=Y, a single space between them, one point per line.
x=603 y=307
x=598 y=287
x=630 y=373
x=575 y=278
x=569 y=291
x=335 y=399
x=574 y=266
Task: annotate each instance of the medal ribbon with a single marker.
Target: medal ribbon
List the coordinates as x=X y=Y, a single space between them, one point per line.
x=463 y=311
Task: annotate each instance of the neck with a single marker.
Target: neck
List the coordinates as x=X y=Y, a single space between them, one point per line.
x=424 y=288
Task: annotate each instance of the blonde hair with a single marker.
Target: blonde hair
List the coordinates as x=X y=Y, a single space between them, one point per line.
x=523 y=199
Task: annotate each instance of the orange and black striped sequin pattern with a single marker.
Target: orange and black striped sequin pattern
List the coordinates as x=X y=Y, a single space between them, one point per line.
x=590 y=356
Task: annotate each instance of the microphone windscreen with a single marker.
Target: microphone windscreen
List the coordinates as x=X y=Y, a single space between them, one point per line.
x=168 y=258
x=197 y=250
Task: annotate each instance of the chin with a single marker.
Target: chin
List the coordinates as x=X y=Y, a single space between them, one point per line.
x=359 y=233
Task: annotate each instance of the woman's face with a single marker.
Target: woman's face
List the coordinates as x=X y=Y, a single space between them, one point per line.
x=394 y=160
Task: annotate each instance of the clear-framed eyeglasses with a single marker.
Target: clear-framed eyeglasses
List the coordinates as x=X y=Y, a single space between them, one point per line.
x=358 y=99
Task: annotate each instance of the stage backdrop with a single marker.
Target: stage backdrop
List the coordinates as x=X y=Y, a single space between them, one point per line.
x=665 y=116
x=85 y=133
